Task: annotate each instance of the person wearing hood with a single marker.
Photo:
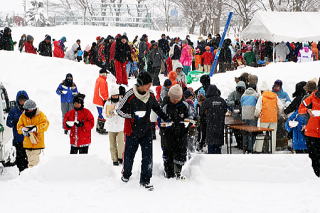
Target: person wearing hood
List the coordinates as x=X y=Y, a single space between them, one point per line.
x=298 y=97
x=173 y=77
x=136 y=108
x=248 y=105
x=305 y=54
x=175 y=53
x=234 y=104
x=208 y=59
x=281 y=51
x=181 y=77
x=225 y=57
x=101 y=95
x=268 y=107
x=205 y=81
x=79 y=121
x=156 y=57
x=28 y=45
x=21 y=42
x=6 y=42
x=174 y=136
x=122 y=56
x=250 y=57
x=67 y=90
x=115 y=125
x=73 y=52
x=282 y=95
x=59 y=47
x=213 y=110
x=45 y=47
x=12 y=120
x=143 y=50
x=32 y=125
x=186 y=57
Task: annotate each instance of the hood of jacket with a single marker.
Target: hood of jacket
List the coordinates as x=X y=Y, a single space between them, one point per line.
x=213 y=91
x=269 y=95
x=249 y=91
x=300 y=91
x=21 y=93
x=241 y=84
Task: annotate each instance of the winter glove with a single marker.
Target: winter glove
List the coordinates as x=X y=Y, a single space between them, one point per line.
x=25 y=132
x=64 y=92
x=70 y=124
x=79 y=124
x=32 y=129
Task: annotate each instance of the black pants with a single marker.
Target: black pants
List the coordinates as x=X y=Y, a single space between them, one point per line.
x=202 y=135
x=80 y=150
x=214 y=149
x=174 y=153
x=313 y=145
x=131 y=147
x=155 y=76
x=141 y=64
x=21 y=158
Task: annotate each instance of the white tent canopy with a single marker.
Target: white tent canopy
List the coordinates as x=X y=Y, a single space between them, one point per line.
x=283 y=26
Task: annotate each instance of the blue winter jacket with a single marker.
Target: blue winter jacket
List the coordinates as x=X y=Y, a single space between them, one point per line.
x=14 y=116
x=283 y=96
x=71 y=92
x=299 y=141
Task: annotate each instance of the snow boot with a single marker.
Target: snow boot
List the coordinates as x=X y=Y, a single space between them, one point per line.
x=116 y=163
x=168 y=170
x=177 y=172
x=100 y=127
x=147 y=186
x=120 y=160
x=125 y=180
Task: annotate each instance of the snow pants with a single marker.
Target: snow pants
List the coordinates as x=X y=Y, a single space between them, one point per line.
x=313 y=145
x=33 y=157
x=80 y=150
x=21 y=158
x=65 y=107
x=155 y=76
x=121 y=72
x=131 y=147
x=174 y=152
x=116 y=140
x=259 y=143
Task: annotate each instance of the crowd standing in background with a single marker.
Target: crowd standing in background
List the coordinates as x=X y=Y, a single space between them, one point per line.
x=189 y=119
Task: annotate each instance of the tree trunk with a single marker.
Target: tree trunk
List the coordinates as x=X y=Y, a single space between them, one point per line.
x=84 y=16
x=193 y=25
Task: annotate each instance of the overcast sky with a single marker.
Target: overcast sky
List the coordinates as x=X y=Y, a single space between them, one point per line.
x=11 y=6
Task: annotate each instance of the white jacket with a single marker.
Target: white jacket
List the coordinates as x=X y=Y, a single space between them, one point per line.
x=114 y=123
x=72 y=53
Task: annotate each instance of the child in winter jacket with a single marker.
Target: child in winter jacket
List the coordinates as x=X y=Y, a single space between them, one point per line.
x=173 y=77
x=181 y=77
x=207 y=59
x=315 y=51
x=186 y=57
x=59 y=48
x=32 y=125
x=198 y=60
x=28 y=45
x=79 y=121
x=67 y=90
x=295 y=124
x=174 y=135
x=165 y=89
x=115 y=126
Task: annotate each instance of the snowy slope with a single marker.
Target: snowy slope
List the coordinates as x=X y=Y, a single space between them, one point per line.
x=226 y=183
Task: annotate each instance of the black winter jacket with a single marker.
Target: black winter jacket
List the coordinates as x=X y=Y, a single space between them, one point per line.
x=123 y=52
x=45 y=49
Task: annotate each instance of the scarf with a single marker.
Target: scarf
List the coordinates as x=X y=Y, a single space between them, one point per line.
x=144 y=98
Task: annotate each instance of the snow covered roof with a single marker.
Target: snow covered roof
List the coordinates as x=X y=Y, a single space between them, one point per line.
x=283 y=26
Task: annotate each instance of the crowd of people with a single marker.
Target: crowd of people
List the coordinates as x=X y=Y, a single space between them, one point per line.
x=188 y=118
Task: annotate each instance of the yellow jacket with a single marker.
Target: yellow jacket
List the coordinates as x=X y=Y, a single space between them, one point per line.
x=42 y=124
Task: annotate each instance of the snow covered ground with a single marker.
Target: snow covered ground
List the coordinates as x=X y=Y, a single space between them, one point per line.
x=226 y=183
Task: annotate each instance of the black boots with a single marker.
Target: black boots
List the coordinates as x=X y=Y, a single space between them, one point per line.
x=177 y=172
x=100 y=127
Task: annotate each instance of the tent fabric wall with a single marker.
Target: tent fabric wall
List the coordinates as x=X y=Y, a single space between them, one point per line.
x=283 y=26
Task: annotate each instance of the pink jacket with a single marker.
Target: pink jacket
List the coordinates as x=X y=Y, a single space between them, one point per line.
x=186 y=55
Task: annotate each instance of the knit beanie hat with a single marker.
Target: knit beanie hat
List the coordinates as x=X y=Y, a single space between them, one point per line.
x=144 y=78
x=79 y=98
x=29 y=105
x=175 y=92
x=167 y=83
x=48 y=38
x=278 y=83
x=187 y=94
x=264 y=86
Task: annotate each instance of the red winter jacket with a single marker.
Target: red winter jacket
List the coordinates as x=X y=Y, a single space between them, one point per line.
x=29 y=48
x=112 y=51
x=79 y=136
x=58 y=51
x=207 y=58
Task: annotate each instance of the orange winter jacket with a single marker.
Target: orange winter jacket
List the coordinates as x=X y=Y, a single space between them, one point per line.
x=173 y=77
x=101 y=91
x=315 y=51
x=197 y=61
x=267 y=107
x=42 y=124
x=313 y=125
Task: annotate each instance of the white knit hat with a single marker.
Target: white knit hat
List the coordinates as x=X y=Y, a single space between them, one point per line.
x=264 y=86
x=175 y=92
x=113 y=89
